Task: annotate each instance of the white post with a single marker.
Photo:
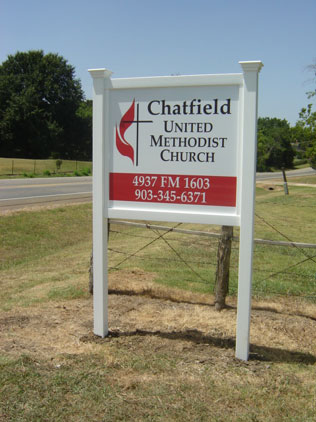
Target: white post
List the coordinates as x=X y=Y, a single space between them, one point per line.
x=101 y=81
x=248 y=175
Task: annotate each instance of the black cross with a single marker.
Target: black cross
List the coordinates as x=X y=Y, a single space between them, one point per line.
x=137 y=121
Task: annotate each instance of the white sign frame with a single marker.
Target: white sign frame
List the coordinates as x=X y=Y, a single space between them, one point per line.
x=242 y=216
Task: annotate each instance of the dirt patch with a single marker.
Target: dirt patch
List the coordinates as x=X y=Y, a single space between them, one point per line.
x=271 y=186
x=142 y=314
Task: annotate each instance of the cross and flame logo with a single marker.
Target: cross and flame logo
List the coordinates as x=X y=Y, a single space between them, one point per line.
x=122 y=145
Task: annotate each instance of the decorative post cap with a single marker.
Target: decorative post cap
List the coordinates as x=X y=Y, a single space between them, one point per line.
x=100 y=73
x=251 y=66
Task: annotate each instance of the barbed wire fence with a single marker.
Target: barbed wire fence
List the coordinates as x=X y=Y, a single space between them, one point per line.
x=196 y=252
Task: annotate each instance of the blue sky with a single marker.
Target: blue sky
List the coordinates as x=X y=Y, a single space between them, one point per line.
x=148 y=38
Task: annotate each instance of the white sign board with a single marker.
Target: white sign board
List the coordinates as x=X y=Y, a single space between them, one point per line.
x=177 y=149
x=174 y=151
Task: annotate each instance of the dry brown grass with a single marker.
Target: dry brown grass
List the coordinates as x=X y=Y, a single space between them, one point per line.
x=169 y=355
x=138 y=306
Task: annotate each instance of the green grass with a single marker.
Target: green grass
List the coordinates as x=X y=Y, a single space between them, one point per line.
x=311 y=180
x=277 y=269
x=147 y=377
x=148 y=388
x=37 y=244
x=182 y=261
x=33 y=168
x=27 y=237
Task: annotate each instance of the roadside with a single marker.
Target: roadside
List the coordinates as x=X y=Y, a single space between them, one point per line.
x=308 y=171
x=33 y=193
x=22 y=194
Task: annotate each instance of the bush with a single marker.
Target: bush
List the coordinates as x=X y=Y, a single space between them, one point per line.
x=300 y=161
x=312 y=156
x=86 y=171
x=58 y=164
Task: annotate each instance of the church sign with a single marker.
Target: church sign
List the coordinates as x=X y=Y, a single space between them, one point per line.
x=180 y=149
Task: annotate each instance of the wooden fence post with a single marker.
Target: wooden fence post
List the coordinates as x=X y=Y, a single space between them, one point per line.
x=286 y=189
x=222 y=270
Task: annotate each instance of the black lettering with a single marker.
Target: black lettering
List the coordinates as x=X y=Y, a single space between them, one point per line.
x=162 y=154
x=207 y=109
x=201 y=154
x=192 y=157
x=210 y=157
x=199 y=107
x=223 y=141
x=179 y=127
x=192 y=105
x=154 y=142
x=184 y=107
x=208 y=127
x=165 y=109
x=202 y=142
x=225 y=108
x=215 y=142
x=150 y=105
x=166 y=125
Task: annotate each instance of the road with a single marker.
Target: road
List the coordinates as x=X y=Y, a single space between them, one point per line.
x=21 y=193
x=289 y=173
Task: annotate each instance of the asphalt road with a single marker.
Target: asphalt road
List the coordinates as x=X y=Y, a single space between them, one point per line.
x=289 y=173
x=20 y=193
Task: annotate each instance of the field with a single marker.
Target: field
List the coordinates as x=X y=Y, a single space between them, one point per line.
x=169 y=355
x=31 y=168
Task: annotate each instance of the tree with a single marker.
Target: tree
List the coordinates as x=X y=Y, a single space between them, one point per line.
x=274 y=144
x=40 y=102
x=312 y=68
x=305 y=129
x=83 y=147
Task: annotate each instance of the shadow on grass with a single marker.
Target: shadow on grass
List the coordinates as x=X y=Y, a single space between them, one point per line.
x=151 y=293
x=259 y=353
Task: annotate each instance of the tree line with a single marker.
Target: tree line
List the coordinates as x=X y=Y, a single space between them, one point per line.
x=44 y=114
x=279 y=143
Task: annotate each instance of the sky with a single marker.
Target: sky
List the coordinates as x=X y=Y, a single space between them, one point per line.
x=169 y=37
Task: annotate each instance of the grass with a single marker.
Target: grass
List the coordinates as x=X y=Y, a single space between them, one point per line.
x=181 y=261
x=90 y=388
x=165 y=360
x=33 y=168
x=311 y=180
x=189 y=262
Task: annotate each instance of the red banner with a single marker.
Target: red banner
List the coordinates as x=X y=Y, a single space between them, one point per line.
x=172 y=188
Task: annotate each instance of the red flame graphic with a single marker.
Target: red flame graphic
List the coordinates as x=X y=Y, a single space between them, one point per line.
x=122 y=145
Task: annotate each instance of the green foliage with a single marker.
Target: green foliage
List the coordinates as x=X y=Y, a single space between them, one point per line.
x=312 y=68
x=311 y=154
x=41 y=106
x=86 y=171
x=305 y=131
x=21 y=166
x=274 y=144
x=58 y=164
